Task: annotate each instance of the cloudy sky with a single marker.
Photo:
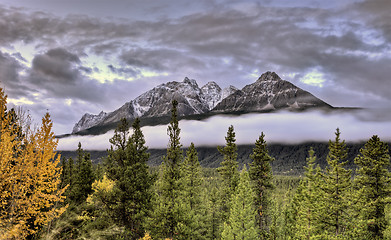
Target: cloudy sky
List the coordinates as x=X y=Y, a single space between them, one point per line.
x=70 y=57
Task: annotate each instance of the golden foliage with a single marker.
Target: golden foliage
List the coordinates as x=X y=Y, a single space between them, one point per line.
x=101 y=191
x=146 y=237
x=29 y=177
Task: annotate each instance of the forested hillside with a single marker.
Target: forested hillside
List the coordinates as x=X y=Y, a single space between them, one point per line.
x=245 y=192
x=289 y=158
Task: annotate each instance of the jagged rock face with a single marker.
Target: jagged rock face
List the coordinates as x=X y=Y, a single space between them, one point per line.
x=126 y=111
x=157 y=102
x=212 y=94
x=269 y=92
x=228 y=91
x=88 y=120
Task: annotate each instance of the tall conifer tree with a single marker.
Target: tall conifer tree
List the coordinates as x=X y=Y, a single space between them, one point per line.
x=81 y=177
x=170 y=219
x=192 y=190
x=336 y=188
x=228 y=171
x=127 y=166
x=213 y=214
x=241 y=223
x=373 y=184
x=308 y=225
x=261 y=175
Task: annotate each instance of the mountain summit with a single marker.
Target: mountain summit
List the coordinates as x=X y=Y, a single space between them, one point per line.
x=268 y=93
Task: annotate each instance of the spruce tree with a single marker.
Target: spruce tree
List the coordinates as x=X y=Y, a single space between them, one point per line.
x=83 y=177
x=127 y=167
x=290 y=228
x=228 y=171
x=373 y=185
x=192 y=183
x=213 y=214
x=241 y=223
x=261 y=175
x=169 y=217
x=336 y=187
x=308 y=225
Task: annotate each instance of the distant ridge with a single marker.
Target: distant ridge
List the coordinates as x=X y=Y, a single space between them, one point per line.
x=268 y=93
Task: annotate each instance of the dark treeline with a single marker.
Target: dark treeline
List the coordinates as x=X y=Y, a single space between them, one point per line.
x=289 y=158
x=343 y=193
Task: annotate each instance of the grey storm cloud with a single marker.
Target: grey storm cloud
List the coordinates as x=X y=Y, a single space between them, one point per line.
x=9 y=76
x=376 y=13
x=223 y=41
x=160 y=59
x=60 y=74
x=8 y=68
x=129 y=71
x=57 y=64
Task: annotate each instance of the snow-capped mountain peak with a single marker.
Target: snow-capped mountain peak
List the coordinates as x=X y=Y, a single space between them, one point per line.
x=268 y=93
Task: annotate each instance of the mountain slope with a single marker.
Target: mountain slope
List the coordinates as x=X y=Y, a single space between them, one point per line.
x=268 y=93
x=155 y=103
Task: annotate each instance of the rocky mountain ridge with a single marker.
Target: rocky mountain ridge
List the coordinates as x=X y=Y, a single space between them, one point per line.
x=192 y=100
x=268 y=93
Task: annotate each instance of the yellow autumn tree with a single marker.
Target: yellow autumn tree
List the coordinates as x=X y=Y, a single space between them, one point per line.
x=29 y=177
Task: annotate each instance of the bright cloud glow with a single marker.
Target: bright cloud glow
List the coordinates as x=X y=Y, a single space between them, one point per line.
x=313 y=78
x=68 y=102
x=20 y=101
x=147 y=73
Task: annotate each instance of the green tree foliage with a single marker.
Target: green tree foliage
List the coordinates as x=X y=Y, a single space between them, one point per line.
x=132 y=191
x=213 y=214
x=228 y=171
x=78 y=177
x=169 y=218
x=291 y=213
x=308 y=225
x=82 y=177
x=373 y=185
x=261 y=175
x=192 y=190
x=241 y=223
x=336 y=186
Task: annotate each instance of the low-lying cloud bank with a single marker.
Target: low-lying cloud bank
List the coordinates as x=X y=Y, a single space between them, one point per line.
x=281 y=127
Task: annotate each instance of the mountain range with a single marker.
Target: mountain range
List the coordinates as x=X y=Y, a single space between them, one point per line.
x=268 y=93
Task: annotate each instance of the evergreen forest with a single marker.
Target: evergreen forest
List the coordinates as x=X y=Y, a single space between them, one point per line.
x=44 y=196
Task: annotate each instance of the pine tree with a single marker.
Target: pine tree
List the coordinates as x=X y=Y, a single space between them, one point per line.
x=192 y=182
x=290 y=228
x=213 y=214
x=29 y=177
x=81 y=177
x=261 y=175
x=169 y=217
x=241 y=223
x=336 y=187
x=228 y=171
x=308 y=225
x=373 y=185
x=127 y=167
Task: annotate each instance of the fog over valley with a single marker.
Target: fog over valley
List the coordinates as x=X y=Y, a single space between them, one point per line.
x=279 y=127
